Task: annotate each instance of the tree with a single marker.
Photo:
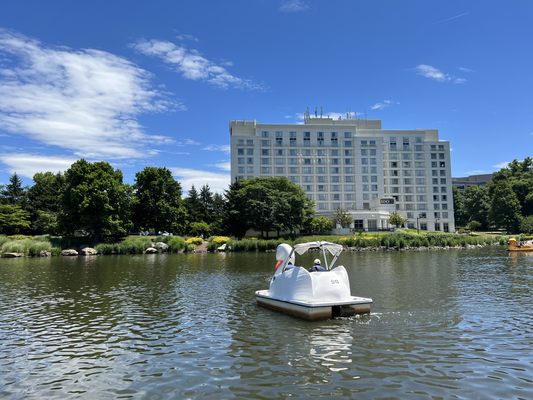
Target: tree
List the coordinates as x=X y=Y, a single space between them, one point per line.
x=342 y=218
x=320 y=225
x=477 y=205
x=13 y=192
x=13 y=219
x=157 y=201
x=266 y=204
x=460 y=215
x=193 y=205
x=526 y=226
x=397 y=220
x=219 y=206
x=200 y=229
x=95 y=200
x=234 y=220
x=206 y=204
x=44 y=201
x=504 y=207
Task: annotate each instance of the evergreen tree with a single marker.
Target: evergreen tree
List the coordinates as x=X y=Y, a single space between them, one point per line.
x=13 y=192
x=206 y=202
x=193 y=205
x=44 y=201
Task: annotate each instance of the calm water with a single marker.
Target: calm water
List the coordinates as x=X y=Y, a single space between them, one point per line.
x=454 y=324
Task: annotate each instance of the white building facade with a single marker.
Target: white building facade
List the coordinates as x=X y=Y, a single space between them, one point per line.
x=355 y=165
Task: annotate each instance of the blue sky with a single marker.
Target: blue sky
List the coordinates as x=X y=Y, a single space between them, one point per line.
x=141 y=83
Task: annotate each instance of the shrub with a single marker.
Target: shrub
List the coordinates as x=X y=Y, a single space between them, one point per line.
x=15 y=246
x=107 y=248
x=195 y=241
x=3 y=239
x=474 y=225
x=19 y=237
x=36 y=246
x=176 y=244
x=134 y=246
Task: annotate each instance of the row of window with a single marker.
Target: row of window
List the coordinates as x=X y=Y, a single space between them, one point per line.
x=317 y=170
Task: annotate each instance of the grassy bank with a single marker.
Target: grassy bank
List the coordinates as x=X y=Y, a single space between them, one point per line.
x=381 y=240
x=408 y=239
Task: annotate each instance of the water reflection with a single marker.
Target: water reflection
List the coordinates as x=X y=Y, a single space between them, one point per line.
x=444 y=324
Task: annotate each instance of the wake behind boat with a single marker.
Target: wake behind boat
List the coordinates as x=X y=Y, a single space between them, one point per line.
x=321 y=294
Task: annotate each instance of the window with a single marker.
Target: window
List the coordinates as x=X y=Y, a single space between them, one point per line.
x=280 y=170
x=265 y=170
x=249 y=142
x=264 y=134
x=265 y=143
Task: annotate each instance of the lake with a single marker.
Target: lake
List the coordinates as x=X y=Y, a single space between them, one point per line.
x=452 y=324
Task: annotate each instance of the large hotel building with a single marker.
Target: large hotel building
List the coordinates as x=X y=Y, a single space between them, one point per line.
x=355 y=165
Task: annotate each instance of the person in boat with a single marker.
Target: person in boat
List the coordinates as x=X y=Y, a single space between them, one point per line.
x=317 y=267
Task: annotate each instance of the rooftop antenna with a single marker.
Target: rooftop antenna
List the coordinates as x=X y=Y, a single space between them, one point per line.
x=316 y=112
x=320 y=111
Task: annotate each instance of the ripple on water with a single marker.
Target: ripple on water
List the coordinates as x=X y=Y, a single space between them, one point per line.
x=187 y=327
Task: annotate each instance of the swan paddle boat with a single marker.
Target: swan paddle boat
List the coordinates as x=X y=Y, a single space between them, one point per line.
x=513 y=245
x=321 y=294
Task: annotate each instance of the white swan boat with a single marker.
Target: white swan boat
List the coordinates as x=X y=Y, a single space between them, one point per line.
x=311 y=295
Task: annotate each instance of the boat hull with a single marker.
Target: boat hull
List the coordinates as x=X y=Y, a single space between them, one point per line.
x=523 y=248
x=317 y=311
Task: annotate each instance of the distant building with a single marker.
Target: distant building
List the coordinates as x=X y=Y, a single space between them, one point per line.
x=353 y=164
x=472 y=180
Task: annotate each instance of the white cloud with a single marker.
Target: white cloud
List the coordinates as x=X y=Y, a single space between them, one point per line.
x=218 y=182
x=464 y=14
x=29 y=164
x=383 y=104
x=430 y=72
x=223 y=165
x=476 y=172
x=465 y=69
x=192 y=65
x=185 y=36
x=86 y=101
x=293 y=6
x=501 y=165
x=218 y=147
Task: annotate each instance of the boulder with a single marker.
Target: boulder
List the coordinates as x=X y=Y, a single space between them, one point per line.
x=150 y=250
x=69 y=252
x=12 y=255
x=88 y=251
x=161 y=246
x=44 y=253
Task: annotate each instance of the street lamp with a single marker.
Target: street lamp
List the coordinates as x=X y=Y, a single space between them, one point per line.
x=417 y=227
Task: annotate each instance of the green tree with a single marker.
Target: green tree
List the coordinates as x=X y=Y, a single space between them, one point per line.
x=342 y=218
x=206 y=201
x=526 y=226
x=219 y=207
x=193 y=205
x=95 y=200
x=44 y=201
x=13 y=219
x=200 y=229
x=477 y=205
x=234 y=218
x=267 y=204
x=320 y=225
x=504 y=207
x=397 y=220
x=13 y=192
x=459 y=211
x=157 y=201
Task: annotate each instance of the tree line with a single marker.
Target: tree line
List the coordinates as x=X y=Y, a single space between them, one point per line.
x=506 y=202
x=91 y=199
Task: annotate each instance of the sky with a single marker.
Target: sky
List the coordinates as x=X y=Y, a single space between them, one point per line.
x=140 y=83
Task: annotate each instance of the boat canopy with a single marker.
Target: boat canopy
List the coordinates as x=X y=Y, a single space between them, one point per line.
x=332 y=248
